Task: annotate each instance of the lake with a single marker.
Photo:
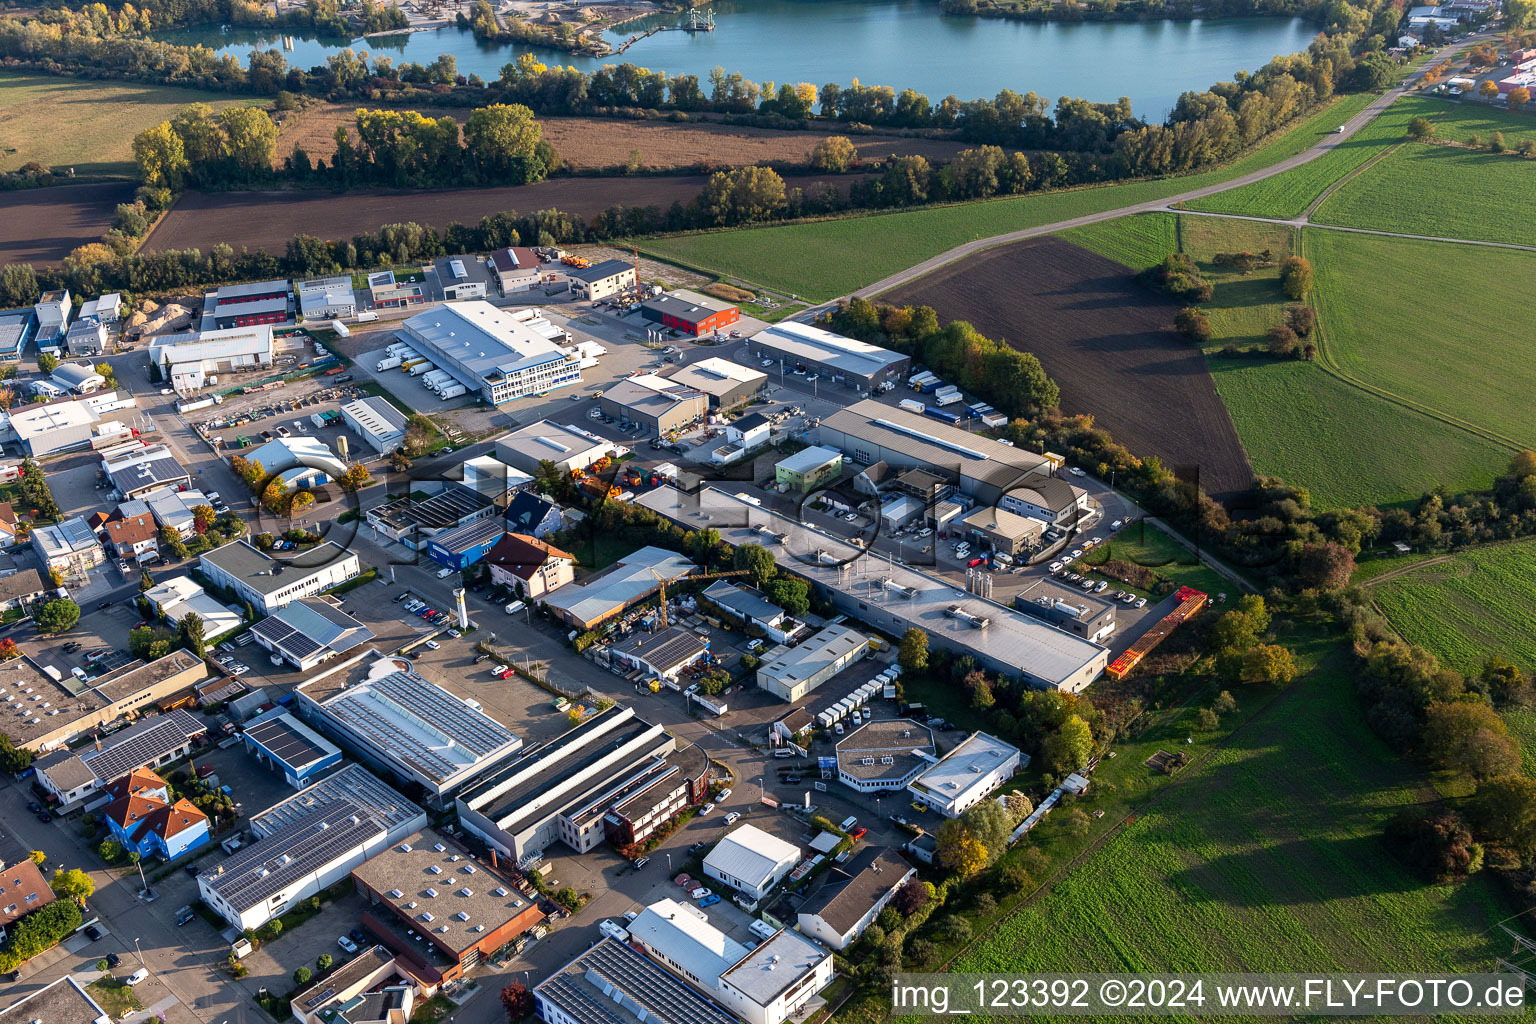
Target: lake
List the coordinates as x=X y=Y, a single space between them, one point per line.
x=900 y=43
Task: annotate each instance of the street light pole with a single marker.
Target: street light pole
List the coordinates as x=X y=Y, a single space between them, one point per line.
x=140 y=951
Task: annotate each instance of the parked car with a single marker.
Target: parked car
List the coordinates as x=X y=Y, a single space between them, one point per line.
x=709 y=901
x=1141 y=602
x=1055 y=567
x=454 y=633
x=433 y=645
x=707 y=808
x=733 y=817
x=858 y=833
x=92 y=932
x=137 y=976
x=725 y=794
x=113 y=960
x=699 y=893
x=346 y=943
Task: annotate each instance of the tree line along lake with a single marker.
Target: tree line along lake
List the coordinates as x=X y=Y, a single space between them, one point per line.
x=899 y=43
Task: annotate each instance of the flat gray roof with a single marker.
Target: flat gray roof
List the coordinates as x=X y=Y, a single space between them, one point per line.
x=773 y=967
x=895 y=591
x=958 y=770
x=893 y=749
x=352 y=783
x=926 y=441
x=812 y=344
x=242 y=560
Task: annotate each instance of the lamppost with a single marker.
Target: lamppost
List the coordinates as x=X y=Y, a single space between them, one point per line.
x=139 y=951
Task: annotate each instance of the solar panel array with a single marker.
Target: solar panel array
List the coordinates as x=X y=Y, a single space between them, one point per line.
x=142 y=744
x=354 y=783
x=287 y=743
x=280 y=634
x=611 y=983
x=312 y=841
x=434 y=720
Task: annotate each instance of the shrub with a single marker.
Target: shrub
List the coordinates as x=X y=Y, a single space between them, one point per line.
x=1295 y=276
x=1193 y=324
x=1437 y=848
x=1282 y=341
x=38 y=931
x=1180 y=277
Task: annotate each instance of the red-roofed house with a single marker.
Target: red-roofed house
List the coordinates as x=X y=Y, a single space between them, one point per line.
x=133 y=536
x=144 y=820
x=23 y=889
x=529 y=566
x=8 y=523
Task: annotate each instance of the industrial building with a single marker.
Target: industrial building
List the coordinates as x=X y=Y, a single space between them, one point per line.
x=766 y=984
x=499 y=354
x=529 y=567
x=414 y=522
x=659 y=404
x=388 y=293
x=268 y=583
x=310 y=631
x=463 y=277
x=352 y=783
x=327 y=298
x=427 y=886
x=853 y=895
x=893 y=597
x=52 y=427
x=562 y=790
x=282 y=741
x=517 y=269
x=789 y=673
x=377 y=422
x=689 y=312
x=68 y=547
x=609 y=277
x=80 y=378
x=651 y=798
x=569 y=448
x=299 y=461
x=747 y=607
x=612 y=983
x=800 y=347
x=808 y=469
x=241 y=305
x=986 y=470
x=135 y=469
x=491 y=477
x=660 y=655
x=187 y=359
x=52 y=309
x=727 y=384
x=967 y=774
x=371 y=988
x=590 y=602
x=73 y=777
x=86 y=337
x=459 y=549
x=750 y=861
x=310 y=852
x=880 y=757
x=16 y=329
x=1068 y=608
x=1005 y=532
x=390 y=718
x=175 y=598
x=107 y=308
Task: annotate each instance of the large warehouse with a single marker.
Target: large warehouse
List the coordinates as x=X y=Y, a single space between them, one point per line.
x=542 y=441
x=186 y=359
x=241 y=305
x=894 y=597
x=378 y=422
x=689 y=312
x=499 y=354
x=795 y=346
x=726 y=383
x=790 y=673
x=658 y=404
x=605 y=595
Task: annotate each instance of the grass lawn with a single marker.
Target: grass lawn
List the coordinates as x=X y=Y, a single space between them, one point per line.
x=1152 y=548
x=114 y=997
x=1480 y=602
x=812 y=260
x=1289 y=194
x=1265 y=856
x=1139 y=241
x=770 y=316
x=1346 y=446
x=1459 y=122
x=1430 y=322
x=1424 y=189
x=63 y=122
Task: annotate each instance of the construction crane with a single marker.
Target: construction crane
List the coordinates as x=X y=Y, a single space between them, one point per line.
x=690 y=579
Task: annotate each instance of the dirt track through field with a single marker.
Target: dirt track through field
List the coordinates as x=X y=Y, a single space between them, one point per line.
x=41 y=225
x=267 y=220
x=1106 y=340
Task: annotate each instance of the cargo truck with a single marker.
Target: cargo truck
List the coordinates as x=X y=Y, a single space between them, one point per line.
x=943 y=398
x=436 y=377
x=452 y=392
x=388 y=363
x=912 y=405
x=422 y=368
x=409 y=364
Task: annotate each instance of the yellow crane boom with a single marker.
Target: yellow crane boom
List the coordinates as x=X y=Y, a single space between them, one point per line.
x=690 y=579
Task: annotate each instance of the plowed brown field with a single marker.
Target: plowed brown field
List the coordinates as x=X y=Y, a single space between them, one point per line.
x=1106 y=340
x=42 y=225
x=600 y=142
x=267 y=220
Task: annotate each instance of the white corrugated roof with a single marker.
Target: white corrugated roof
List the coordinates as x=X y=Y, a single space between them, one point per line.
x=750 y=854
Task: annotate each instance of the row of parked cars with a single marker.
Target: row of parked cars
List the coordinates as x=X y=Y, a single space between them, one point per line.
x=416 y=606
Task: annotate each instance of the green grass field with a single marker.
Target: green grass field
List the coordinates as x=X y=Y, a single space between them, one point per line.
x=1346 y=446
x=1266 y=856
x=812 y=260
x=62 y=122
x=1289 y=194
x=1431 y=322
x=1476 y=603
x=1446 y=191
x=1459 y=122
x=1148 y=546
x=1297 y=421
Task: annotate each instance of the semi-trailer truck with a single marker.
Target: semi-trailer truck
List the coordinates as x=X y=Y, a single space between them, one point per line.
x=452 y=392
x=388 y=363
x=912 y=405
x=422 y=368
x=409 y=364
x=436 y=377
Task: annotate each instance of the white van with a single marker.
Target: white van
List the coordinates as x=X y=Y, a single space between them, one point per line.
x=613 y=931
x=514 y=607
x=848 y=823
x=137 y=976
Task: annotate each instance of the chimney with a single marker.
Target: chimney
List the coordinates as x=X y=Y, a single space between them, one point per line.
x=493 y=857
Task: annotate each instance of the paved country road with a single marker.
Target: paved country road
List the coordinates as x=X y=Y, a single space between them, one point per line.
x=1353 y=125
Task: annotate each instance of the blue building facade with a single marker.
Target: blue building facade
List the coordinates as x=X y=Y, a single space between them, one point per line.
x=463 y=547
